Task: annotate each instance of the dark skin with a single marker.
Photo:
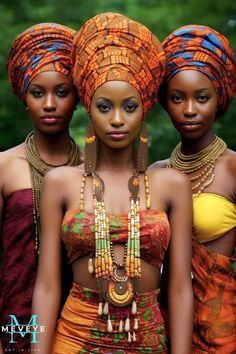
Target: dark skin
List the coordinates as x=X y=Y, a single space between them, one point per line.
x=191 y=102
x=50 y=99
x=116 y=113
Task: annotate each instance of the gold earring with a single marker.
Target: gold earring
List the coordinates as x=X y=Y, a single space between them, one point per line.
x=90 y=153
x=142 y=154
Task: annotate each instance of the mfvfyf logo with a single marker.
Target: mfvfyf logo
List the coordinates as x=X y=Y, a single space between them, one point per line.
x=32 y=328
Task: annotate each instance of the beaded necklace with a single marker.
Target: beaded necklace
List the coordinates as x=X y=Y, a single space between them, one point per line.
x=203 y=160
x=117 y=282
x=38 y=168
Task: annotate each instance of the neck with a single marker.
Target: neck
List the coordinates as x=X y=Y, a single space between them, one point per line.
x=115 y=159
x=53 y=148
x=192 y=146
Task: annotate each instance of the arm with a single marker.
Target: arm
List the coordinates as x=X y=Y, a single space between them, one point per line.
x=180 y=293
x=1 y=350
x=47 y=291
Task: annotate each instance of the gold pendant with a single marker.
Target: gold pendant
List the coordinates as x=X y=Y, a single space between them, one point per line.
x=120 y=293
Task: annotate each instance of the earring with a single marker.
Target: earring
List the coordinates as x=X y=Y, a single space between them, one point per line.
x=90 y=151
x=26 y=108
x=142 y=154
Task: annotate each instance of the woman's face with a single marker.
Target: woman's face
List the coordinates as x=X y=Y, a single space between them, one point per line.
x=51 y=99
x=116 y=113
x=191 y=103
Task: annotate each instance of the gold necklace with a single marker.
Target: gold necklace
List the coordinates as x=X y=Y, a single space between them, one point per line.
x=203 y=160
x=117 y=282
x=38 y=168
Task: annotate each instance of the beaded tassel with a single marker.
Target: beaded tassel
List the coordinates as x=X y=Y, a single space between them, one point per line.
x=103 y=258
x=148 y=196
x=133 y=266
x=82 y=192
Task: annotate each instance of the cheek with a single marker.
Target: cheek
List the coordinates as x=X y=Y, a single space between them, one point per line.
x=67 y=104
x=173 y=110
x=98 y=126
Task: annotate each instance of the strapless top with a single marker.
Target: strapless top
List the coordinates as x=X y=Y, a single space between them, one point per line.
x=78 y=234
x=213 y=216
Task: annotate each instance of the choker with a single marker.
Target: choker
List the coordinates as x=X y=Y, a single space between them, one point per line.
x=203 y=161
x=38 y=168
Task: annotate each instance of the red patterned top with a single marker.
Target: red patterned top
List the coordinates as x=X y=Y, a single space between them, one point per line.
x=78 y=234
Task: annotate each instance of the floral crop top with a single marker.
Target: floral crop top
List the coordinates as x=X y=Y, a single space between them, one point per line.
x=78 y=234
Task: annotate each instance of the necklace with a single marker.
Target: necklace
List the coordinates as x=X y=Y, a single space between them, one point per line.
x=117 y=282
x=203 y=161
x=38 y=168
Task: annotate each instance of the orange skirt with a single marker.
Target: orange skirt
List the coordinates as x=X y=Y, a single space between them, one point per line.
x=81 y=330
x=215 y=302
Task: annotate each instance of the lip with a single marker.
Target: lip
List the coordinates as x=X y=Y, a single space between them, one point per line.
x=191 y=125
x=117 y=135
x=50 y=119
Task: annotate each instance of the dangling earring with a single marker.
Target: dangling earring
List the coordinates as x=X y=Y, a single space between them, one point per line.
x=142 y=154
x=90 y=158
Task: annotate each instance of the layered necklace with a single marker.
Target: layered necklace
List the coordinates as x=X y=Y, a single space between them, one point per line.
x=117 y=282
x=202 y=163
x=38 y=168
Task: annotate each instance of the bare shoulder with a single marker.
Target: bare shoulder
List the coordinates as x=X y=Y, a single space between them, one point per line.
x=229 y=159
x=168 y=176
x=158 y=164
x=62 y=177
x=169 y=185
x=17 y=152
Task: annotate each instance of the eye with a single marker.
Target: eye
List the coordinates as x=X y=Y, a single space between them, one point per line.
x=202 y=98
x=62 y=92
x=176 y=98
x=37 y=93
x=130 y=107
x=103 y=107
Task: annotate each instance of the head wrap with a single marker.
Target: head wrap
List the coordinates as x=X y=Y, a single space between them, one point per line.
x=111 y=47
x=43 y=47
x=202 y=48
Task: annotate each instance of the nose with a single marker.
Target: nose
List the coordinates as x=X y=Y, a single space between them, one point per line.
x=189 y=108
x=117 y=118
x=49 y=103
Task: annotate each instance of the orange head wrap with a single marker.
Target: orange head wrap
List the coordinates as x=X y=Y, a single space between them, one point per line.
x=43 y=47
x=112 y=47
x=202 y=48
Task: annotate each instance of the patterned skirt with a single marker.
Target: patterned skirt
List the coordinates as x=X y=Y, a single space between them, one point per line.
x=80 y=330
x=214 y=302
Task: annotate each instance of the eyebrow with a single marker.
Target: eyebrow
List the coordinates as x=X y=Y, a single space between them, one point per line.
x=125 y=99
x=42 y=86
x=197 y=91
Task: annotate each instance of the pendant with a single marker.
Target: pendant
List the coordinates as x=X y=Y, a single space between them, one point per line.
x=120 y=293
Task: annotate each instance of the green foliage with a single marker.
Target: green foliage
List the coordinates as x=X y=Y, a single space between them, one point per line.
x=161 y=16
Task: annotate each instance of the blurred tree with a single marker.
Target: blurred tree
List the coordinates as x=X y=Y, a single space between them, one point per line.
x=161 y=16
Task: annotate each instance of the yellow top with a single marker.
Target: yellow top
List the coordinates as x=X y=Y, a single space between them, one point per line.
x=213 y=216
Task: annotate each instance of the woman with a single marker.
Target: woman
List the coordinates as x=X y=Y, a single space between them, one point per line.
x=39 y=70
x=116 y=239
x=199 y=85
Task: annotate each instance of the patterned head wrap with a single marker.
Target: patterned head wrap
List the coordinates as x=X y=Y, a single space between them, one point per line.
x=202 y=48
x=43 y=47
x=112 y=47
